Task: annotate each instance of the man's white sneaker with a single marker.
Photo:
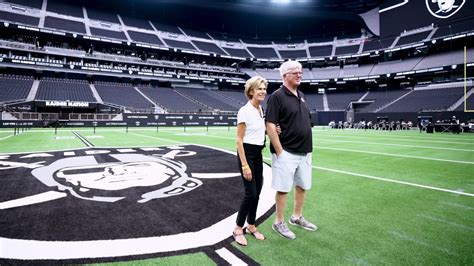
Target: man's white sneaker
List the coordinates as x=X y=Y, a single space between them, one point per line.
x=302 y=222
x=283 y=230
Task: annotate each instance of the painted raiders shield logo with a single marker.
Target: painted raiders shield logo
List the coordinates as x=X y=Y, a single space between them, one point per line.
x=444 y=8
x=99 y=203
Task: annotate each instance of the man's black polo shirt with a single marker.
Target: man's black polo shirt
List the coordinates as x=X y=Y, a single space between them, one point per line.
x=292 y=114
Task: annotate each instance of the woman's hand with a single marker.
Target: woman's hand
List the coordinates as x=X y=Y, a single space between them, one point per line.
x=247 y=173
x=278 y=129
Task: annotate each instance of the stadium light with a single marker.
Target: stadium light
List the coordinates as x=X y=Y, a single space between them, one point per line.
x=281 y=1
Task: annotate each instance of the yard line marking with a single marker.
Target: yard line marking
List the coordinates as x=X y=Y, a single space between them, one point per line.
x=371 y=137
x=436 y=219
x=151 y=137
x=394 y=181
x=229 y=257
x=343 y=172
x=394 y=155
x=339 y=171
x=84 y=140
x=9 y=136
x=377 y=153
x=457 y=205
x=356 y=261
x=398 y=138
x=403 y=236
x=400 y=145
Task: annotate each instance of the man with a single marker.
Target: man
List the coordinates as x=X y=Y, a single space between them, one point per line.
x=291 y=150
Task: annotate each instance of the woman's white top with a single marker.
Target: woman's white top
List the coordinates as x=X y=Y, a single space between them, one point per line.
x=254 y=123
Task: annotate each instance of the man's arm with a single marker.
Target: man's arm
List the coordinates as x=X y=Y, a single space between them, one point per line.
x=274 y=139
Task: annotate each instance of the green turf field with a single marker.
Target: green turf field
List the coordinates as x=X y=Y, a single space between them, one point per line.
x=398 y=198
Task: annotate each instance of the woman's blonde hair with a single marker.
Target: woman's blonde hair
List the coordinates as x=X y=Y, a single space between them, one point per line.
x=253 y=84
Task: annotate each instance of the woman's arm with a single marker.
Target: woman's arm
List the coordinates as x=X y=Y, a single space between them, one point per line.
x=241 y=151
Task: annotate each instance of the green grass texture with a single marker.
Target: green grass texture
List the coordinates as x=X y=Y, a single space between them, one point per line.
x=378 y=197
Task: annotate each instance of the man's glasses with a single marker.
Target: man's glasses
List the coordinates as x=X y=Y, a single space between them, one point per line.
x=296 y=73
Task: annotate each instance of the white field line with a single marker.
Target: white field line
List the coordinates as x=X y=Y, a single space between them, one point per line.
x=34 y=199
x=398 y=145
x=382 y=135
x=376 y=153
x=394 y=155
x=451 y=223
x=386 y=144
x=9 y=136
x=457 y=205
x=394 y=181
x=461 y=142
x=151 y=137
x=342 y=172
x=214 y=129
x=407 y=237
x=378 y=178
x=229 y=257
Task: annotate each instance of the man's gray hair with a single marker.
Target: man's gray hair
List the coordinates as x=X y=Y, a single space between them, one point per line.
x=289 y=66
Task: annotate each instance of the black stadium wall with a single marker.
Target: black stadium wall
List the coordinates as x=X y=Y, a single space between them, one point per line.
x=62 y=106
x=137 y=120
x=166 y=120
x=134 y=120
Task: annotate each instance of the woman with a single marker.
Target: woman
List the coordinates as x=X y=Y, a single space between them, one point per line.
x=250 y=142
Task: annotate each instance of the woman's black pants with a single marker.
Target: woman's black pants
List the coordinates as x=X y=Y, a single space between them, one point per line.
x=248 y=207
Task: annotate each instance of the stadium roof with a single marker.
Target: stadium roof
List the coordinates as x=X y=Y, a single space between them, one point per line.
x=258 y=19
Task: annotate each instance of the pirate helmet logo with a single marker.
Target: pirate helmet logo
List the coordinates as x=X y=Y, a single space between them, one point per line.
x=104 y=182
x=444 y=8
x=158 y=193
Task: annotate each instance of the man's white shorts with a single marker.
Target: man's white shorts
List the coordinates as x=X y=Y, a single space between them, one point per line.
x=290 y=169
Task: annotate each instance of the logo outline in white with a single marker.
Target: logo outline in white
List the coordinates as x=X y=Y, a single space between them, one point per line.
x=27 y=249
x=449 y=9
